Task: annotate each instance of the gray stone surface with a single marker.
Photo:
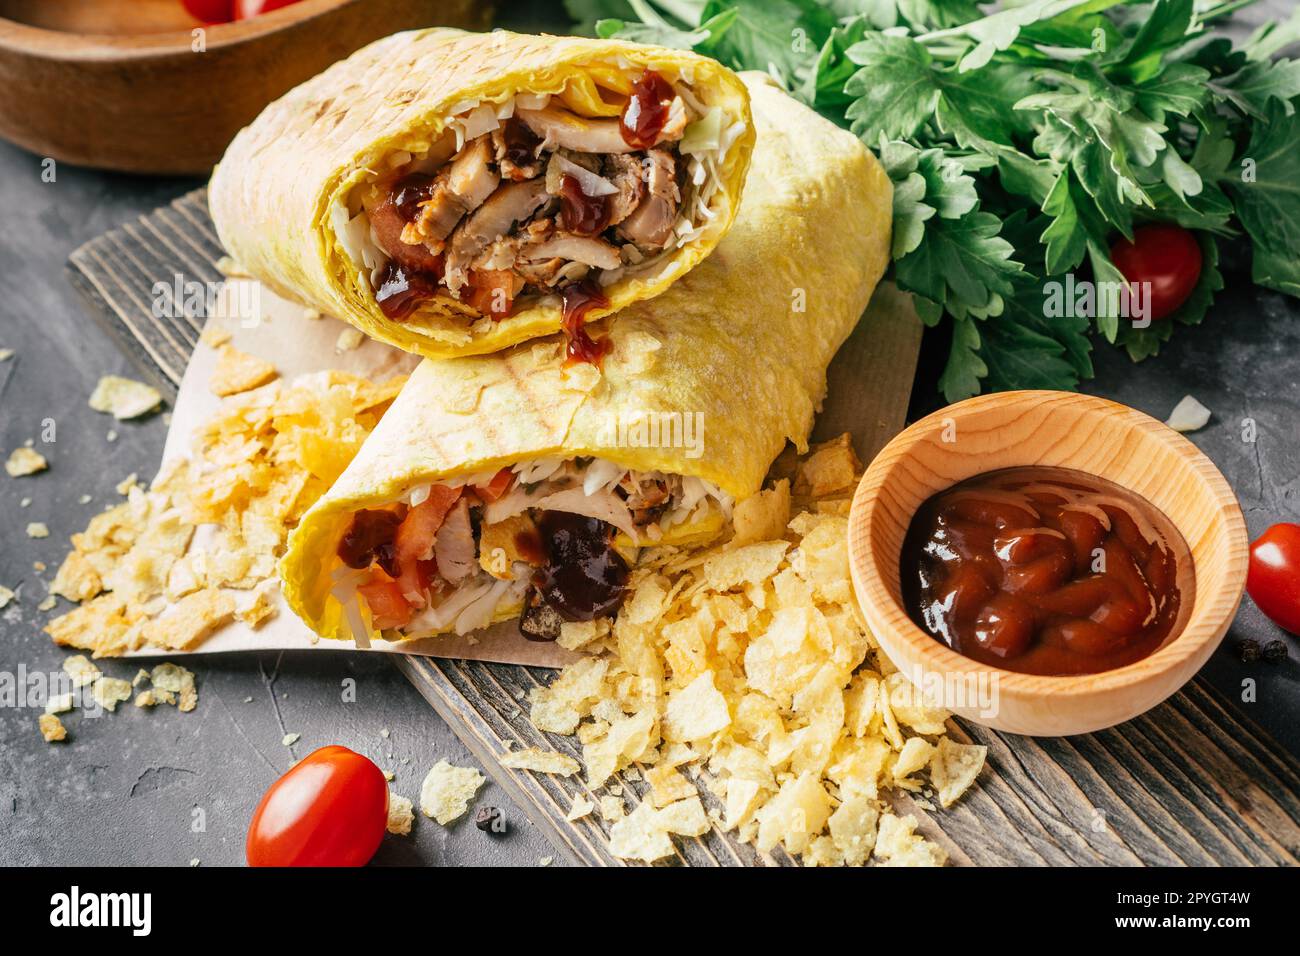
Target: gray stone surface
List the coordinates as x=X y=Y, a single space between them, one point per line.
x=126 y=787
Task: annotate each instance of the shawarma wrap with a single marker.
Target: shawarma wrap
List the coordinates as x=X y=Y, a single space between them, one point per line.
x=446 y=192
x=519 y=482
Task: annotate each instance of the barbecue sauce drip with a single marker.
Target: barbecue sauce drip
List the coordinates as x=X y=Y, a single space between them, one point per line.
x=579 y=213
x=581 y=579
x=401 y=291
x=579 y=299
x=520 y=142
x=369 y=539
x=646 y=112
x=409 y=191
x=1046 y=571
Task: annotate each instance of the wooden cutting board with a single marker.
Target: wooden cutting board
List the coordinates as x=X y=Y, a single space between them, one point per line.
x=1190 y=782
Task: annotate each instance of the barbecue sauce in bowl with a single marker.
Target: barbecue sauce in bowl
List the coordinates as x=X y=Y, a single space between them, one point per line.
x=1047 y=571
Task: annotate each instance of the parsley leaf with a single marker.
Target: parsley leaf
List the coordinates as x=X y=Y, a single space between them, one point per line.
x=896 y=89
x=1268 y=199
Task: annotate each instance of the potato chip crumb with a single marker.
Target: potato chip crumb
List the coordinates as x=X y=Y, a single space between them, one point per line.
x=540 y=761
x=611 y=808
x=173 y=684
x=47 y=604
x=580 y=808
x=190 y=620
x=349 y=339
x=59 y=703
x=261 y=607
x=108 y=692
x=447 y=791
x=81 y=670
x=52 y=728
x=37 y=529
x=829 y=467
x=289 y=740
x=124 y=398
x=238 y=371
x=954 y=767
x=401 y=814
x=25 y=461
x=6 y=596
x=214 y=336
x=77 y=579
x=146 y=698
x=546 y=861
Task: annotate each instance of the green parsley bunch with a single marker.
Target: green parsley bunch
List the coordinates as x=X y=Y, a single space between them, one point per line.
x=1022 y=142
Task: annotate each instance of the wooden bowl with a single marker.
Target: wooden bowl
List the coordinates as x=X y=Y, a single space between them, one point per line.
x=1066 y=430
x=145 y=101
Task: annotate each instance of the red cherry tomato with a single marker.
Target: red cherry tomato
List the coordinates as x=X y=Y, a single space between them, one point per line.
x=331 y=809
x=210 y=11
x=247 y=9
x=1273 y=580
x=1166 y=256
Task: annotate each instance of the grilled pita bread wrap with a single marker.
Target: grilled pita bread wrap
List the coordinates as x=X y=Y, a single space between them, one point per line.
x=521 y=482
x=441 y=190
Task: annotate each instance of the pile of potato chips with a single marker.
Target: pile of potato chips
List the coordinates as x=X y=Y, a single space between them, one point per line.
x=748 y=670
x=159 y=569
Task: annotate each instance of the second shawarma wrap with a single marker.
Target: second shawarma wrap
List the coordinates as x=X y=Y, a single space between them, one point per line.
x=517 y=483
x=448 y=192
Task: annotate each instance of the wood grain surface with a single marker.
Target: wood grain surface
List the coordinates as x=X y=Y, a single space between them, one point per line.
x=1190 y=782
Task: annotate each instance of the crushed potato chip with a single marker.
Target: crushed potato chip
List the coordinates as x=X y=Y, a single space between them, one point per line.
x=349 y=339
x=81 y=670
x=37 y=529
x=145 y=578
x=25 y=461
x=447 y=791
x=580 y=808
x=214 y=336
x=174 y=684
x=238 y=371
x=401 y=814
x=6 y=596
x=52 y=728
x=110 y=691
x=124 y=398
x=747 y=670
x=954 y=767
x=540 y=761
x=829 y=467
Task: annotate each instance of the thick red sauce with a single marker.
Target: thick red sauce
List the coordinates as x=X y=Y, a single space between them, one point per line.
x=579 y=299
x=579 y=213
x=646 y=112
x=520 y=142
x=370 y=539
x=1046 y=571
x=400 y=290
x=581 y=577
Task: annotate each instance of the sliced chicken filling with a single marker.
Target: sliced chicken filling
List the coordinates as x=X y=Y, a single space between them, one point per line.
x=536 y=201
x=555 y=537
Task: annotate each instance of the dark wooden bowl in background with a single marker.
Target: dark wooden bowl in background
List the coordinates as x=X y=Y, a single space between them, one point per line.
x=116 y=84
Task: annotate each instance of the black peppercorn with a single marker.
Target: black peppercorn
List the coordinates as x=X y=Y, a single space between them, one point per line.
x=1275 y=651
x=1248 y=651
x=489 y=820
